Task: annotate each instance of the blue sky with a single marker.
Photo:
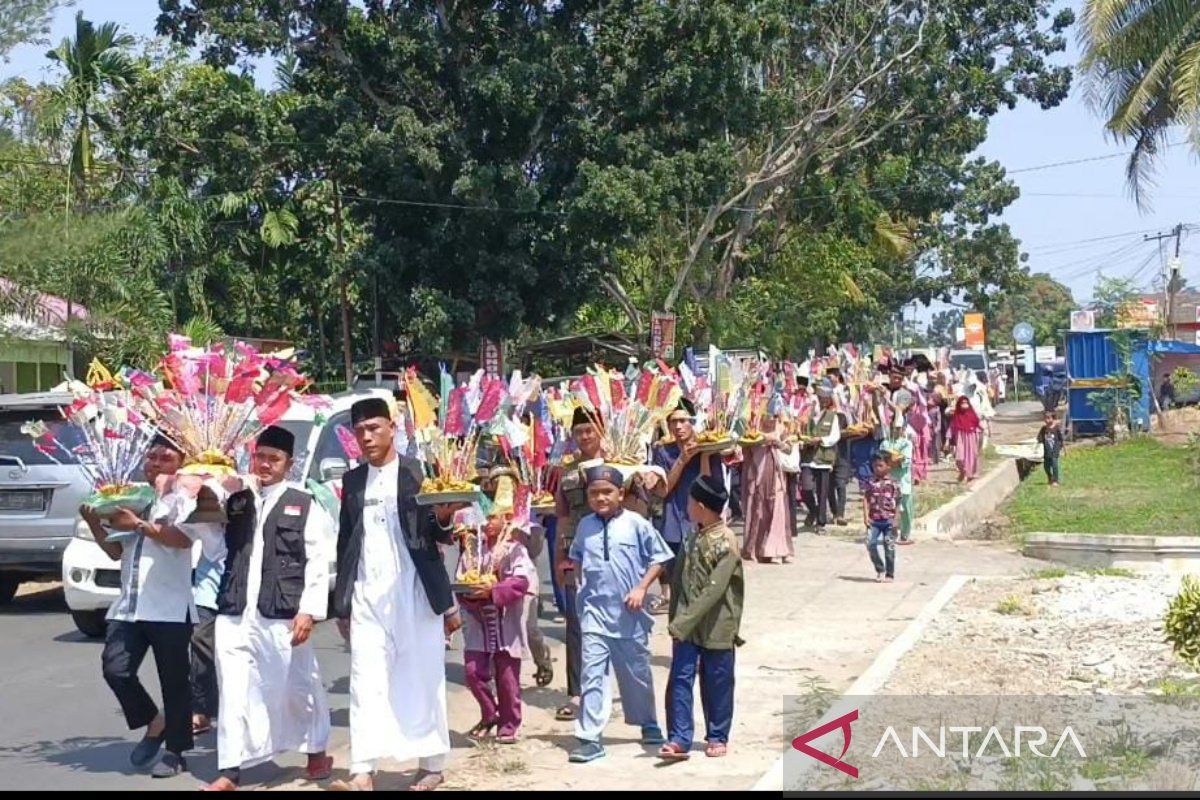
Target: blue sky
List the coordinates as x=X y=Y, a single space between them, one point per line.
x=1059 y=210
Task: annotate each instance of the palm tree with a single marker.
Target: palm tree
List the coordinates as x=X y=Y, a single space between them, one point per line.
x=96 y=62
x=1141 y=64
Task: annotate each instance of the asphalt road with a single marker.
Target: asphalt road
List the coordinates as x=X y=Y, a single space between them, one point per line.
x=62 y=728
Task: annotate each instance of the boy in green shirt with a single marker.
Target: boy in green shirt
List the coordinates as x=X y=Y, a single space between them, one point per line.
x=706 y=614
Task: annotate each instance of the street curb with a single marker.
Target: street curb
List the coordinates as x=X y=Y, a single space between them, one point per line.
x=1157 y=554
x=967 y=510
x=873 y=679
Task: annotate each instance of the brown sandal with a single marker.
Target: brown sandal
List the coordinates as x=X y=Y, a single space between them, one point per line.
x=427 y=781
x=673 y=752
x=716 y=749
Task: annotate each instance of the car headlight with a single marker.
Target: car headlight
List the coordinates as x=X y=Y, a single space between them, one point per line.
x=82 y=531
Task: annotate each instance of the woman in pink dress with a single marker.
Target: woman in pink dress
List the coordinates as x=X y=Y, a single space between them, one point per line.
x=764 y=499
x=918 y=420
x=965 y=434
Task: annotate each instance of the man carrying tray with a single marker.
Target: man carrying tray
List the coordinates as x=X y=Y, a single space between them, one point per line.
x=155 y=611
x=393 y=603
x=679 y=459
x=275 y=587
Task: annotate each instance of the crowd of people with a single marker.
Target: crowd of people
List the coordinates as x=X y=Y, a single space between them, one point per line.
x=232 y=643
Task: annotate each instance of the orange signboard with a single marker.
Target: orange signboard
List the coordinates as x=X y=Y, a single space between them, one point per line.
x=973 y=327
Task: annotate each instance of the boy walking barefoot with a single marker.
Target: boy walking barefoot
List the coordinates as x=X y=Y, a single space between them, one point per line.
x=881 y=512
x=706 y=614
x=619 y=555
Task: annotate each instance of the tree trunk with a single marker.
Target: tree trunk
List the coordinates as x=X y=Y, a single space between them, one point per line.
x=321 y=358
x=347 y=353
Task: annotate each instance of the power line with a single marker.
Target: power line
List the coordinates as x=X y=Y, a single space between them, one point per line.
x=1088 y=160
x=1109 y=237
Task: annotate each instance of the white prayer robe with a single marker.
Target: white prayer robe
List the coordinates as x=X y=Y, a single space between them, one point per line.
x=397 y=642
x=272 y=697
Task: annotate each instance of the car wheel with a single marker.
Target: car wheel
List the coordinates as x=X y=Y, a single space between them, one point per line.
x=90 y=623
x=8 y=588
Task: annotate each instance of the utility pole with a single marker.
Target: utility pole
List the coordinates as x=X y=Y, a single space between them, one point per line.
x=1171 y=287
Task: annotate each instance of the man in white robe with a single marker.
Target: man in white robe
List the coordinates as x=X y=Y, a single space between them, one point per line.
x=275 y=586
x=393 y=603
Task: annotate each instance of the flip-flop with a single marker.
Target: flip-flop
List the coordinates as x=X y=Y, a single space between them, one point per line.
x=566 y=713
x=427 y=782
x=200 y=730
x=673 y=752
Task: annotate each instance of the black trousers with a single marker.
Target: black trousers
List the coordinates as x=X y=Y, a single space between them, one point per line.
x=837 y=496
x=204 y=665
x=735 y=493
x=817 y=483
x=124 y=650
x=792 y=500
x=574 y=645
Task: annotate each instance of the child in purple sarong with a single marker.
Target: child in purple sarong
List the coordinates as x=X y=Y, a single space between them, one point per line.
x=494 y=628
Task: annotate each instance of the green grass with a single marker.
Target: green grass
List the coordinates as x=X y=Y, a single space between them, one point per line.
x=1173 y=687
x=1137 y=487
x=1123 y=757
x=1113 y=572
x=931 y=496
x=1049 y=573
x=1012 y=605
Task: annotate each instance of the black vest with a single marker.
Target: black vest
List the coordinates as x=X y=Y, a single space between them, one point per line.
x=283 y=554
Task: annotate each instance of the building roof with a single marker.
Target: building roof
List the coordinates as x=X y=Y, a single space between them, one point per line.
x=1186 y=304
x=48 y=309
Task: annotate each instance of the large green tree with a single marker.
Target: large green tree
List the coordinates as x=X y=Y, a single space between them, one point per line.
x=512 y=158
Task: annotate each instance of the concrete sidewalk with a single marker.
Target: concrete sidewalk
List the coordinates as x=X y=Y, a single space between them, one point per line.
x=812 y=625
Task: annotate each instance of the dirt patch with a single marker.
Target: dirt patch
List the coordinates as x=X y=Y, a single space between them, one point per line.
x=1179 y=423
x=1078 y=633
x=1054 y=648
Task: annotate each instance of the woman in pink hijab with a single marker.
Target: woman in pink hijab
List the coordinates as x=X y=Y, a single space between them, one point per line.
x=965 y=436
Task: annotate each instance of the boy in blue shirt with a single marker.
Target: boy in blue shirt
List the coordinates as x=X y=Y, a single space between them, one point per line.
x=618 y=555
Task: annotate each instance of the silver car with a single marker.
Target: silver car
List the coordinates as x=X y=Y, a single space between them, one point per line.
x=39 y=499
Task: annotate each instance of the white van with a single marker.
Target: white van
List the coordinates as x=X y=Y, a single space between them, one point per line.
x=92 y=581
x=974 y=360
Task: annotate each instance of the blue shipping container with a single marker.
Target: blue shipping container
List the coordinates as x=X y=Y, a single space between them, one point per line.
x=1092 y=355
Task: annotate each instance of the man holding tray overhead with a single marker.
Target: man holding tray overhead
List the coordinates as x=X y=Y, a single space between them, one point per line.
x=393 y=603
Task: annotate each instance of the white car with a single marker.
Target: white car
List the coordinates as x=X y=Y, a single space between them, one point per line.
x=92 y=580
